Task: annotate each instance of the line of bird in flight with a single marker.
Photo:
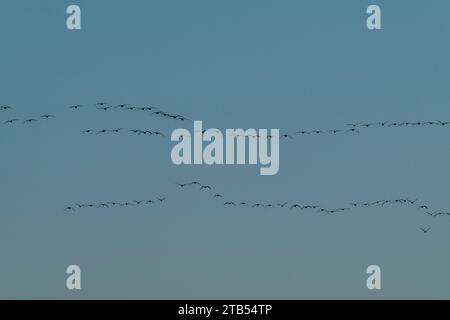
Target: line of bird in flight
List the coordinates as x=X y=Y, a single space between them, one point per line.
x=100 y=106
x=111 y=204
x=350 y=128
x=319 y=209
x=287 y=205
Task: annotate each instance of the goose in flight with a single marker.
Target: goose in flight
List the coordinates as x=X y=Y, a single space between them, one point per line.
x=69 y=209
x=47 y=116
x=182 y=185
x=101 y=104
x=122 y=105
x=354 y=125
x=88 y=131
x=217 y=196
x=161 y=199
x=334 y=131
x=229 y=203
x=11 y=121
x=138 y=201
x=205 y=188
x=126 y=204
x=4 y=108
x=104 y=108
x=425 y=230
x=30 y=121
x=76 y=107
x=282 y=205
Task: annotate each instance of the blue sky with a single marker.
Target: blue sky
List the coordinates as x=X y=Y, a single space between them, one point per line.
x=292 y=65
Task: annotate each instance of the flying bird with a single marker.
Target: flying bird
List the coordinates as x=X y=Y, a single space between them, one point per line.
x=11 y=121
x=425 y=230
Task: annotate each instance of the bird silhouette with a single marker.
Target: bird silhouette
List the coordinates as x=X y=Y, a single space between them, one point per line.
x=425 y=230
x=47 y=116
x=4 y=108
x=76 y=107
x=11 y=121
x=30 y=121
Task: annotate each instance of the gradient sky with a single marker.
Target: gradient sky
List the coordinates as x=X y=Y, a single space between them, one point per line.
x=253 y=64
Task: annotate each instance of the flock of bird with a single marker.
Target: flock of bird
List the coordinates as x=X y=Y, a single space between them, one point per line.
x=105 y=106
x=286 y=205
x=352 y=128
x=111 y=204
x=119 y=130
x=24 y=121
x=101 y=106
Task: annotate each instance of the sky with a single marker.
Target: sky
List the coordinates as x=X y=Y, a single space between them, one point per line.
x=291 y=65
